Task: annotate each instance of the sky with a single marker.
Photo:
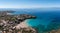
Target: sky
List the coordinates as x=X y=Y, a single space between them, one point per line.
x=29 y=3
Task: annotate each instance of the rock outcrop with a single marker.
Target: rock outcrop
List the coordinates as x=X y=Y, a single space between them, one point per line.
x=8 y=23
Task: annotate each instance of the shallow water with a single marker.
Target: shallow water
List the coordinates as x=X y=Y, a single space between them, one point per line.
x=44 y=19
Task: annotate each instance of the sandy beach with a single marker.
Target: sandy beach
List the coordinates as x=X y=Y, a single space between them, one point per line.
x=22 y=25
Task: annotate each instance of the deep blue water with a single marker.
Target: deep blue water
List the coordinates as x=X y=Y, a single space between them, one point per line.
x=44 y=18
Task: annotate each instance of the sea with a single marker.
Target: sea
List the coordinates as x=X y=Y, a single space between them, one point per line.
x=47 y=19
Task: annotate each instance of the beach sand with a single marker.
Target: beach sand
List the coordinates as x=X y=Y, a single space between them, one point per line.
x=22 y=25
x=25 y=25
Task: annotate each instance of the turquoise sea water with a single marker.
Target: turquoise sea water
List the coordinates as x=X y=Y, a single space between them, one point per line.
x=44 y=21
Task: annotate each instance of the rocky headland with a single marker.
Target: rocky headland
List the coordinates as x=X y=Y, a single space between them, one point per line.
x=10 y=23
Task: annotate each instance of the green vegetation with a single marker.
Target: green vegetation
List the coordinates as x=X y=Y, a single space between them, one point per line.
x=8 y=21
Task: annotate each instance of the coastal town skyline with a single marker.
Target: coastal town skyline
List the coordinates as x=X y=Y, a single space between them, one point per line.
x=29 y=3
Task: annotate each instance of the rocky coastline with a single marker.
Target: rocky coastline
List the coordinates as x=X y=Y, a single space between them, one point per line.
x=10 y=23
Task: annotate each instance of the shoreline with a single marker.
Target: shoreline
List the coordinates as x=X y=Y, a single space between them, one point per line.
x=23 y=24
